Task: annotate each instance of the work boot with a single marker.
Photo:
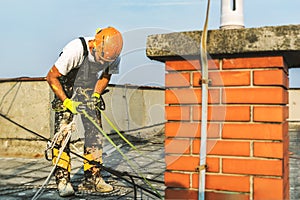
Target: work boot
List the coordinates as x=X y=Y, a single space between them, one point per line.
x=64 y=186
x=94 y=183
x=102 y=186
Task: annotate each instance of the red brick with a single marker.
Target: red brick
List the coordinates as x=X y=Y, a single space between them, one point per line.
x=196 y=78
x=224 y=182
x=213 y=130
x=252 y=166
x=189 y=65
x=178 y=146
x=210 y=144
x=213 y=164
x=171 y=194
x=181 y=163
x=271 y=77
x=182 y=96
x=190 y=96
x=226 y=196
x=182 y=65
x=228 y=78
x=254 y=62
x=190 y=130
x=255 y=95
x=223 y=113
x=179 y=113
x=268 y=149
x=229 y=183
x=175 y=194
x=177 y=80
x=190 y=163
x=225 y=148
x=254 y=131
x=270 y=113
x=268 y=188
x=181 y=129
x=180 y=180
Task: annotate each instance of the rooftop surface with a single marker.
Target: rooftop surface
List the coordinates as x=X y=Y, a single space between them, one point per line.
x=21 y=178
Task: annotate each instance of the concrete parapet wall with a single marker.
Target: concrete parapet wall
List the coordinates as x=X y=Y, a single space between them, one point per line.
x=27 y=101
x=28 y=104
x=134 y=109
x=294 y=106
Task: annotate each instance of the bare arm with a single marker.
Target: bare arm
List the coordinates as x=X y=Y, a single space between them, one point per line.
x=102 y=83
x=52 y=79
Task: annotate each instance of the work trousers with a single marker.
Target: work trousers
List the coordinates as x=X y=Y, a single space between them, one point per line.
x=92 y=137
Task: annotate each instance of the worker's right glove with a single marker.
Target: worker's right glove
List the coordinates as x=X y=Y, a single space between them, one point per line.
x=96 y=102
x=71 y=105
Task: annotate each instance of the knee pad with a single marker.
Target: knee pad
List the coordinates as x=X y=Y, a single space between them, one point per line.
x=64 y=160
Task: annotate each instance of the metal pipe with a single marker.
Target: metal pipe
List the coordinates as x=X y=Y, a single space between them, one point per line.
x=232 y=14
x=204 y=66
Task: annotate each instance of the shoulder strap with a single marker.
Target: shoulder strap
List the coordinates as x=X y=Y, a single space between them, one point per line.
x=85 y=50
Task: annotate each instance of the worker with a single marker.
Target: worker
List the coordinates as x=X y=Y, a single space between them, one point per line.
x=79 y=77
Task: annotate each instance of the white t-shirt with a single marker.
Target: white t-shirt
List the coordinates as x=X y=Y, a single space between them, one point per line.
x=72 y=57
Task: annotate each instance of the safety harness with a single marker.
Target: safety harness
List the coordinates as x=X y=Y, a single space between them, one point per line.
x=85 y=50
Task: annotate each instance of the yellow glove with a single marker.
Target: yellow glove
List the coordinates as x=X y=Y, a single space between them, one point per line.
x=71 y=105
x=98 y=102
x=95 y=94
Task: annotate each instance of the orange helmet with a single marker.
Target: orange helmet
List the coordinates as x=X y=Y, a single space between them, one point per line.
x=108 y=43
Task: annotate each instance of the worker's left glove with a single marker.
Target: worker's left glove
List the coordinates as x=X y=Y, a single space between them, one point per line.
x=71 y=105
x=96 y=102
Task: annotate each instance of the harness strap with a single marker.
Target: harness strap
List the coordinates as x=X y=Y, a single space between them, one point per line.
x=85 y=49
x=86 y=69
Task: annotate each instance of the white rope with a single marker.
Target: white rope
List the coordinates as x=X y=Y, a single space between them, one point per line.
x=69 y=129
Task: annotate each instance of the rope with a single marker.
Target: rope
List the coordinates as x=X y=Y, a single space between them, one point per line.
x=124 y=138
x=83 y=92
x=119 y=150
x=67 y=128
x=117 y=173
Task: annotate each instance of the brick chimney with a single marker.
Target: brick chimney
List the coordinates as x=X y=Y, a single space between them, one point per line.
x=247 y=155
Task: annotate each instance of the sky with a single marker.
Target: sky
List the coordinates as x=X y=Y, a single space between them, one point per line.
x=33 y=32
